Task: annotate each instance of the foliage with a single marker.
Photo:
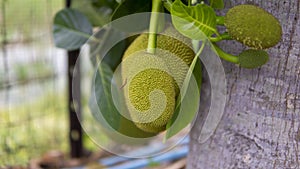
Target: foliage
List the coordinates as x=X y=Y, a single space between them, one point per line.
x=187 y=105
x=131 y=7
x=71 y=29
x=197 y=21
x=217 y=4
x=97 y=11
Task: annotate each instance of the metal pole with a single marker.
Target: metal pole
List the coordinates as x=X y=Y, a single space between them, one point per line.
x=75 y=132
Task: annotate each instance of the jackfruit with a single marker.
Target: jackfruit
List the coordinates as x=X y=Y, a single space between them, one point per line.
x=175 y=49
x=154 y=80
x=253 y=58
x=253 y=26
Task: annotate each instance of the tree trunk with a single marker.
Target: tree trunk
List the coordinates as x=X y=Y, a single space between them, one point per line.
x=260 y=127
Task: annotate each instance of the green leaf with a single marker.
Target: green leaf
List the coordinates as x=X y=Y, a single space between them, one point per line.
x=252 y=58
x=71 y=29
x=128 y=7
x=135 y=16
x=97 y=11
x=100 y=3
x=103 y=50
x=186 y=108
x=102 y=88
x=197 y=72
x=195 y=22
x=217 y=4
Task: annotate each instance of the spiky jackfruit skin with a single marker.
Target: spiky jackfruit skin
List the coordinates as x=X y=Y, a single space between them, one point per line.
x=169 y=41
x=150 y=91
x=140 y=90
x=175 y=54
x=253 y=26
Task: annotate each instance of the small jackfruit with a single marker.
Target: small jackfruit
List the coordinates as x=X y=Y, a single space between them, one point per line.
x=154 y=80
x=253 y=58
x=253 y=26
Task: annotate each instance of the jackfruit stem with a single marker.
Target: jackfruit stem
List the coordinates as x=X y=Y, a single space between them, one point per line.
x=224 y=36
x=156 y=7
x=226 y=56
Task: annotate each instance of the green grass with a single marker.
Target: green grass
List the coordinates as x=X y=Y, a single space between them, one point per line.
x=29 y=130
x=24 y=17
x=24 y=72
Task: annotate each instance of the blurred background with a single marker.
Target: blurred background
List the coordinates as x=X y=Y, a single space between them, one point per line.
x=33 y=103
x=34 y=106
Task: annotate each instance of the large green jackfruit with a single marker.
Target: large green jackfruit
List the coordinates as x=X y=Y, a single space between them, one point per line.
x=154 y=80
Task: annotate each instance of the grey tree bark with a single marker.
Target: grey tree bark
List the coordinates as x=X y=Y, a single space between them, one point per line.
x=260 y=127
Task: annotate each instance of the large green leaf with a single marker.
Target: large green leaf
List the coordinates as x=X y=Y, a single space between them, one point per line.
x=97 y=11
x=128 y=7
x=217 y=4
x=186 y=108
x=108 y=48
x=71 y=29
x=195 y=22
x=102 y=88
x=109 y=3
x=134 y=19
